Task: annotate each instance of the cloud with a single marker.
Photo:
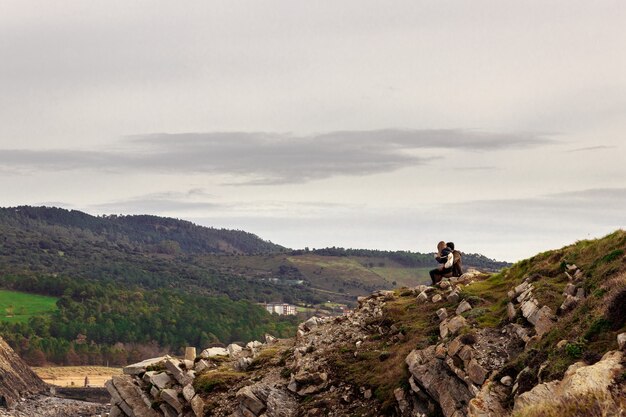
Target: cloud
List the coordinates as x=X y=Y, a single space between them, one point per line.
x=592 y=148
x=255 y=158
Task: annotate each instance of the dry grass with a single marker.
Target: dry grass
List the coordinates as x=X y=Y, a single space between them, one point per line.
x=590 y=405
x=74 y=376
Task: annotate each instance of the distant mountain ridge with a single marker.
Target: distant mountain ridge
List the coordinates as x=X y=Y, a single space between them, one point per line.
x=161 y=234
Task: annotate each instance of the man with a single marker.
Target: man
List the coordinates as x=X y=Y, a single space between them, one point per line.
x=445 y=257
x=457 y=268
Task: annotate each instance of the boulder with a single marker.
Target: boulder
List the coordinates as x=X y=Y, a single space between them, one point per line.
x=281 y=404
x=249 y=401
x=543 y=320
x=201 y=365
x=233 y=349
x=190 y=353
x=456 y=324
x=128 y=397
x=183 y=377
x=161 y=380
x=188 y=392
x=507 y=381
x=431 y=375
x=197 y=405
x=453 y=297
x=422 y=297
x=213 y=352
x=463 y=307
x=140 y=367
x=579 y=380
x=442 y=314
x=170 y=396
x=570 y=289
x=621 y=341
x=476 y=373
x=436 y=298
x=569 y=303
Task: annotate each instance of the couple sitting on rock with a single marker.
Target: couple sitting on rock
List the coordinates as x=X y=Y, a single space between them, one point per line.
x=449 y=260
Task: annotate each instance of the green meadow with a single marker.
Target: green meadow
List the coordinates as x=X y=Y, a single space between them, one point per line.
x=18 y=307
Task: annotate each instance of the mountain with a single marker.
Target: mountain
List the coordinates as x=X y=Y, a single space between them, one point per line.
x=123 y=286
x=543 y=338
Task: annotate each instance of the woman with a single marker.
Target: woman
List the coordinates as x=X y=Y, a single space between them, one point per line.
x=445 y=257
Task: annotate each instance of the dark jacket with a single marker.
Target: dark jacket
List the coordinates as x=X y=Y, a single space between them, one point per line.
x=444 y=255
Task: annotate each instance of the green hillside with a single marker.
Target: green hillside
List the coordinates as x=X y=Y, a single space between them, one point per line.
x=16 y=307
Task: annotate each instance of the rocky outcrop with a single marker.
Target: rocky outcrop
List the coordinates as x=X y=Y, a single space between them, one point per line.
x=17 y=380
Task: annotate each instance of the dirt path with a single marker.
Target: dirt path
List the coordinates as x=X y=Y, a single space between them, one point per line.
x=74 y=376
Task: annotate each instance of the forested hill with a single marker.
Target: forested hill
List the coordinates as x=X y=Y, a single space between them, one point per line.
x=55 y=228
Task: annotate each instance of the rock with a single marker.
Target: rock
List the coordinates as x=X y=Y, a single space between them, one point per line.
x=190 y=353
x=511 y=312
x=201 y=365
x=580 y=293
x=281 y=404
x=456 y=324
x=466 y=353
x=367 y=394
x=543 y=320
x=579 y=380
x=521 y=288
x=400 y=397
x=561 y=344
x=445 y=284
x=511 y=294
x=269 y=339
x=188 y=392
x=168 y=410
x=197 y=405
x=422 y=297
x=127 y=396
x=213 y=352
x=436 y=298
x=578 y=275
x=161 y=380
x=243 y=364
x=570 y=289
x=233 y=349
x=446 y=389
x=506 y=381
x=489 y=402
x=455 y=346
x=250 y=401
x=312 y=323
x=463 y=307
x=140 y=367
x=304 y=383
x=621 y=341
x=443 y=329
x=256 y=344
x=453 y=297
x=571 y=267
x=440 y=351
x=181 y=376
x=170 y=396
x=569 y=303
x=476 y=373
x=442 y=314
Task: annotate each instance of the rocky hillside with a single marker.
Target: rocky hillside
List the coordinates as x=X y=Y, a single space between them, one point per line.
x=17 y=380
x=545 y=337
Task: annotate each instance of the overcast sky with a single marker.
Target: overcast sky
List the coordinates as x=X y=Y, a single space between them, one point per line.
x=497 y=124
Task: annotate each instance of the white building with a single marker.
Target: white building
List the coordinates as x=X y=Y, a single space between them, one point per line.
x=281 y=309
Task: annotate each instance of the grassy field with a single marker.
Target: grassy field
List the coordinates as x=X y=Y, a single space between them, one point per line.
x=16 y=307
x=74 y=376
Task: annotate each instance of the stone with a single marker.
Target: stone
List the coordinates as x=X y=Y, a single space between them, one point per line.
x=170 y=396
x=578 y=381
x=422 y=297
x=440 y=351
x=476 y=373
x=506 y=381
x=213 y=352
x=168 y=410
x=453 y=297
x=543 y=320
x=511 y=294
x=445 y=284
x=569 y=303
x=455 y=346
x=201 y=365
x=269 y=339
x=312 y=322
x=181 y=376
x=529 y=308
x=463 y=307
x=511 y=312
x=140 y=367
x=456 y=324
x=128 y=396
x=570 y=289
x=580 y=293
x=190 y=353
x=436 y=298
x=578 y=275
x=443 y=329
x=161 y=380
x=561 y=344
x=521 y=288
x=431 y=374
x=367 y=394
x=281 y=404
x=621 y=341
x=233 y=349
x=197 y=405
x=571 y=267
x=466 y=353
x=188 y=392
x=442 y=314
x=250 y=401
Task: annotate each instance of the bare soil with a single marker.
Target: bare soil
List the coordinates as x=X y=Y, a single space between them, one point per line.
x=74 y=376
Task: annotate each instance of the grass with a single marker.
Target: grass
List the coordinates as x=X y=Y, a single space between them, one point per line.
x=18 y=307
x=591 y=405
x=216 y=380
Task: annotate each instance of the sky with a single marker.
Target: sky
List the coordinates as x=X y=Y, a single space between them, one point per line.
x=495 y=124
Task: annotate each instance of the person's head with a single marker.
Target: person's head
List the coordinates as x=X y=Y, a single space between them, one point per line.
x=450 y=245
x=440 y=246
